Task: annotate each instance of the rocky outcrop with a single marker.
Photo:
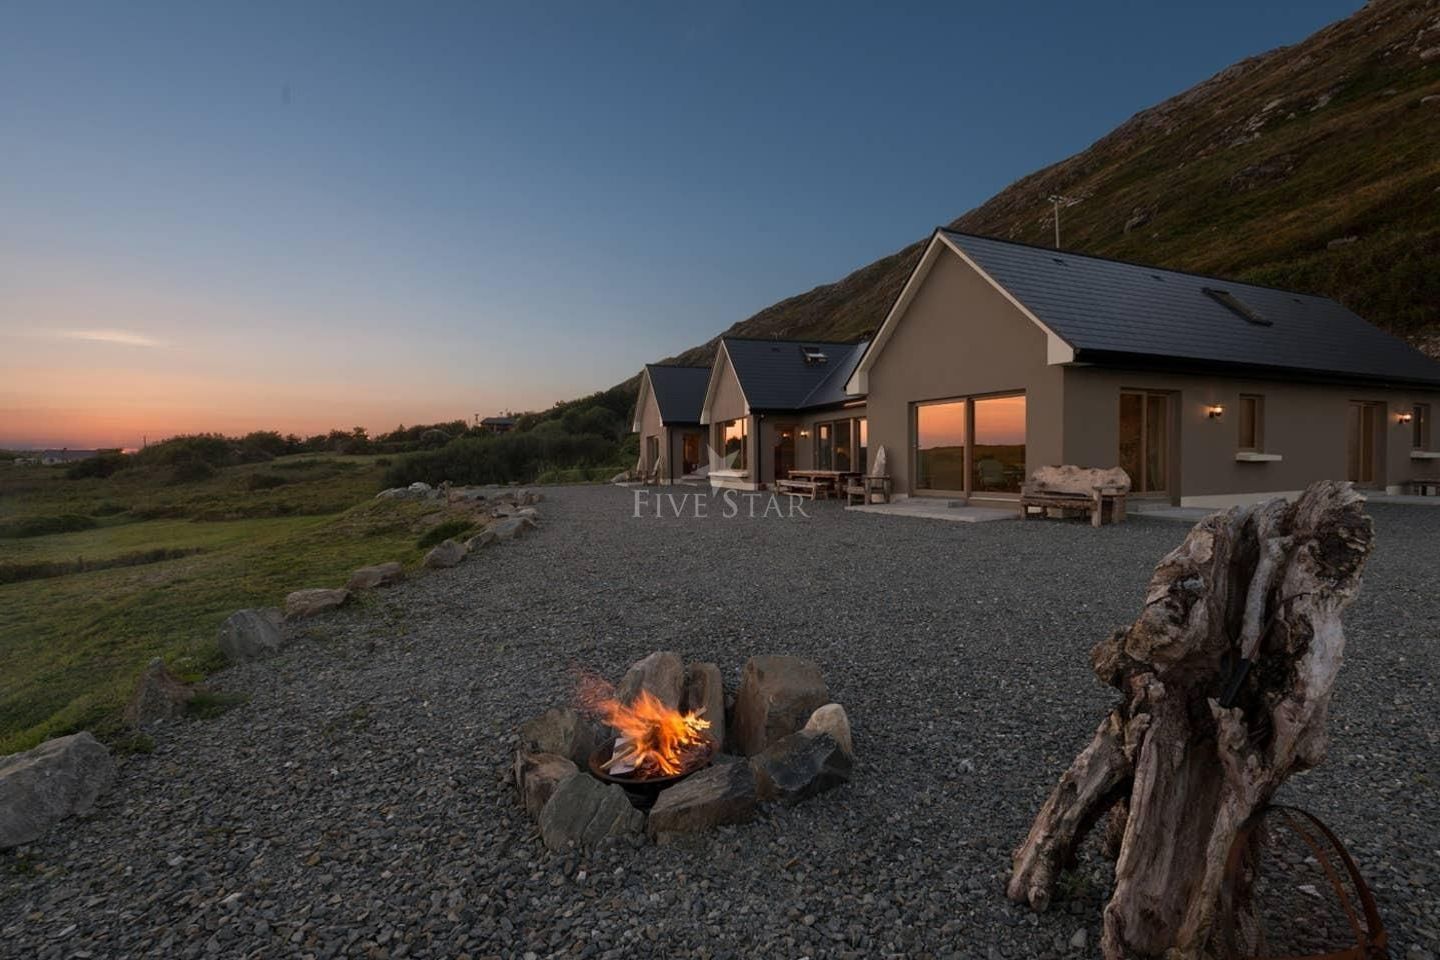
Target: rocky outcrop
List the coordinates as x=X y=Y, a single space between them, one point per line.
x=583 y=811
x=447 y=553
x=800 y=766
x=159 y=695
x=250 y=635
x=662 y=673
x=720 y=794
x=537 y=775
x=314 y=600
x=379 y=575
x=58 y=779
x=777 y=695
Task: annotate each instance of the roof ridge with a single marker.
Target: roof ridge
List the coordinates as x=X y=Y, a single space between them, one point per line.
x=824 y=343
x=677 y=366
x=1065 y=251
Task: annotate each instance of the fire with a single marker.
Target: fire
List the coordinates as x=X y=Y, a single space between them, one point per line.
x=654 y=740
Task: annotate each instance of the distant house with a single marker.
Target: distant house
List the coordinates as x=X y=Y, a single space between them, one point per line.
x=53 y=457
x=999 y=357
x=498 y=424
x=772 y=406
x=667 y=418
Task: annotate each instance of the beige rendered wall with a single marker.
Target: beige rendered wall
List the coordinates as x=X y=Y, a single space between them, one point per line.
x=649 y=427
x=1305 y=424
x=961 y=337
x=728 y=403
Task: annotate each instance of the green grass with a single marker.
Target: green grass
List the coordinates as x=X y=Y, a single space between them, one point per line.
x=73 y=645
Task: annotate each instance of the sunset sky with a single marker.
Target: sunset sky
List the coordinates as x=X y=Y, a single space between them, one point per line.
x=237 y=216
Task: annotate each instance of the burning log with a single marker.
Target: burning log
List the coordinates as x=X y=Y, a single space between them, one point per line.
x=1226 y=678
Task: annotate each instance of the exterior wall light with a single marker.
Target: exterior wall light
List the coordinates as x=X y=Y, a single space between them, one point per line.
x=1215 y=411
x=804 y=433
x=1404 y=417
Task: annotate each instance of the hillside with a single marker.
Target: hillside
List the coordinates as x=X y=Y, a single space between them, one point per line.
x=1265 y=172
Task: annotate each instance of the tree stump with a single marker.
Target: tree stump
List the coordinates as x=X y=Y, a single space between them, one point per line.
x=1202 y=740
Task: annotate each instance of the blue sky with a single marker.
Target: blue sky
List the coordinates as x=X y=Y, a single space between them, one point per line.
x=235 y=215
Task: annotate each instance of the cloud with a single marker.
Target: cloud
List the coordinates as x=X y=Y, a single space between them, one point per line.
x=127 y=338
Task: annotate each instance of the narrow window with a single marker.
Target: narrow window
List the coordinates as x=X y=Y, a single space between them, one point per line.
x=1252 y=423
x=733 y=448
x=1420 y=427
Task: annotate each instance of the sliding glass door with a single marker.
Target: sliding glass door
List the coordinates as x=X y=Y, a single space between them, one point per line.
x=940 y=446
x=1145 y=440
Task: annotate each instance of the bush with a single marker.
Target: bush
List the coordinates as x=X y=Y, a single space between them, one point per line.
x=209 y=448
x=103 y=465
x=44 y=526
x=191 y=471
x=510 y=457
x=265 y=481
x=444 y=531
x=578 y=475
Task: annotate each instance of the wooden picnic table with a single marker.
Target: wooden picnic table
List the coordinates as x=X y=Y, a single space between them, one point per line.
x=832 y=482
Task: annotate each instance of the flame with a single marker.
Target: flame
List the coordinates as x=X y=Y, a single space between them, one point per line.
x=654 y=740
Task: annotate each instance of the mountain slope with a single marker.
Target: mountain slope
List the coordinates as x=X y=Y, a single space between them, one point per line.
x=1265 y=172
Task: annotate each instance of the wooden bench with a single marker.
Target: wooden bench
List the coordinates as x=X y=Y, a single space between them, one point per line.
x=866 y=489
x=1424 y=488
x=802 y=488
x=1076 y=488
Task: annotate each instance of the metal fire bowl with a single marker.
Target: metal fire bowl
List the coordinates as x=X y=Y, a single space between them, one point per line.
x=642 y=791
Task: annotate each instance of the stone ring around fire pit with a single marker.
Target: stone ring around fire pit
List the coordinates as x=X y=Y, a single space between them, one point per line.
x=685 y=762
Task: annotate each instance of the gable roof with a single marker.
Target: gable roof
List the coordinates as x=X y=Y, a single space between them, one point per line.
x=775 y=375
x=679 y=391
x=1113 y=310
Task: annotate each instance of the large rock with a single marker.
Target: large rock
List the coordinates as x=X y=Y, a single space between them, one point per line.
x=705 y=690
x=446 y=553
x=57 y=779
x=379 y=575
x=584 y=811
x=313 y=600
x=537 y=775
x=662 y=673
x=562 y=731
x=159 y=695
x=833 y=719
x=719 y=794
x=511 y=528
x=799 y=766
x=777 y=695
x=250 y=635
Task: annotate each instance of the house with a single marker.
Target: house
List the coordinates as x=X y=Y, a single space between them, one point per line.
x=667 y=418
x=498 y=424
x=772 y=406
x=52 y=458
x=999 y=357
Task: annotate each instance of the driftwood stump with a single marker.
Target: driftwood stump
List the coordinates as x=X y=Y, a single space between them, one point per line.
x=1178 y=772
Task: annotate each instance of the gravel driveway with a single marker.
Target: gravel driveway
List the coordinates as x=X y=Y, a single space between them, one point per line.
x=355 y=805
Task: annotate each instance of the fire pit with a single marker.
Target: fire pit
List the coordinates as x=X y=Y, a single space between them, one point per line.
x=666 y=753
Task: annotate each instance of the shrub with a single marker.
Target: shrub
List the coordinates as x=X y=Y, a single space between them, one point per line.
x=103 y=465
x=209 y=448
x=444 y=531
x=265 y=481
x=509 y=457
x=191 y=471
x=44 y=526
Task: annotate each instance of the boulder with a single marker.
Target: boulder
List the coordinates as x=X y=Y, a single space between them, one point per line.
x=662 y=673
x=379 y=575
x=159 y=695
x=537 y=775
x=482 y=539
x=833 y=720
x=511 y=528
x=705 y=691
x=562 y=731
x=40 y=787
x=446 y=553
x=799 y=766
x=309 y=602
x=584 y=811
x=777 y=695
x=621 y=477
x=719 y=794
x=250 y=635
x=528 y=512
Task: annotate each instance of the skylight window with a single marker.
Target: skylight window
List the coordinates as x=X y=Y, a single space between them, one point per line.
x=1237 y=306
x=813 y=354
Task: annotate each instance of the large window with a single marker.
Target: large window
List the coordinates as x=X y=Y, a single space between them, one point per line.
x=731 y=440
x=841 y=445
x=1420 y=427
x=998 y=458
x=940 y=445
x=1252 y=423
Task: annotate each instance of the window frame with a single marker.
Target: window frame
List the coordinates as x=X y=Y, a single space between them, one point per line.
x=1421 y=427
x=1257 y=424
x=742 y=462
x=968 y=490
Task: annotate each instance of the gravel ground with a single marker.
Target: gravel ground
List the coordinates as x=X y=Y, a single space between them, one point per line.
x=355 y=805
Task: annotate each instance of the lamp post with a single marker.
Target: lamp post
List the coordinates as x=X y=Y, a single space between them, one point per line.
x=1060 y=200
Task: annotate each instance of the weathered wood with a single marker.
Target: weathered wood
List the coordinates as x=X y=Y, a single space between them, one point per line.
x=1178 y=772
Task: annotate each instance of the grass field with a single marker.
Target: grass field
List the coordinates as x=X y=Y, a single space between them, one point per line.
x=73 y=644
